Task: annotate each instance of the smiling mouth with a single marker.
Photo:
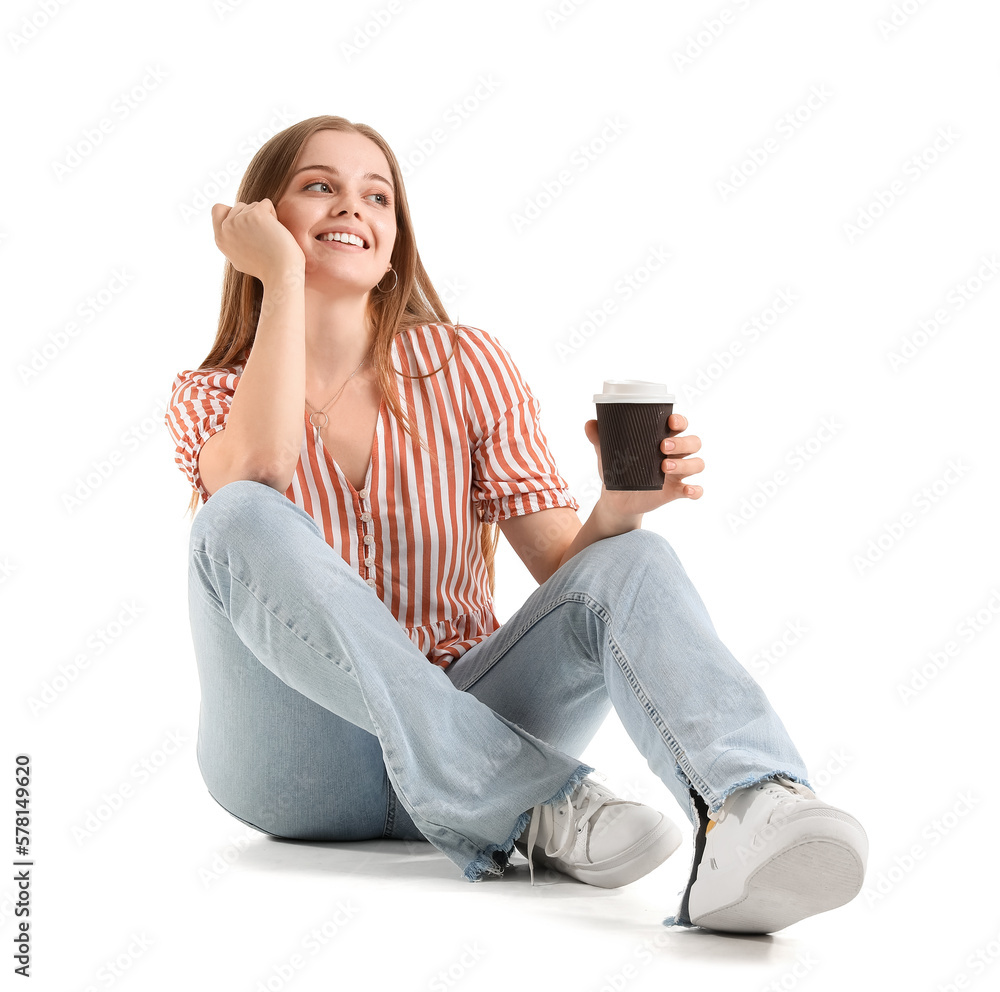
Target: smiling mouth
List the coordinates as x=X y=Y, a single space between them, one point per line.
x=343 y=239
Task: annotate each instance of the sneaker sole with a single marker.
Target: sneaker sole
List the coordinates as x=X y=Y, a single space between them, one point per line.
x=809 y=878
x=640 y=859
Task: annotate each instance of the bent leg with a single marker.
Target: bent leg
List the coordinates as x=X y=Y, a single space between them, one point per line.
x=278 y=761
x=467 y=776
x=621 y=622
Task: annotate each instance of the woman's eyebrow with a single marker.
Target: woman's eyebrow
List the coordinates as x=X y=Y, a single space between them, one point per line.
x=334 y=172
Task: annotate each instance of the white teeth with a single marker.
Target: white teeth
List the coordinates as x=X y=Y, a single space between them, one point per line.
x=351 y=239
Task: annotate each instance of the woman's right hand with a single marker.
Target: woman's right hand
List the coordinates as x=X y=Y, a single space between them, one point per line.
x=254 y=240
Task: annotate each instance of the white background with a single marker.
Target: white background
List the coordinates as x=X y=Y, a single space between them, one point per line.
x=521 y=94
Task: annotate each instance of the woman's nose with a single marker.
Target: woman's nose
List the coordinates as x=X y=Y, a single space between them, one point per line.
x=347 y=202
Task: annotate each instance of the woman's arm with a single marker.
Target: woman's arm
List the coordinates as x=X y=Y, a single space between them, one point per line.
x=546 y=539
x=263 y=434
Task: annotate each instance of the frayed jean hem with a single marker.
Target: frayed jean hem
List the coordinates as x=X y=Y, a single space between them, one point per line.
x=485 y=864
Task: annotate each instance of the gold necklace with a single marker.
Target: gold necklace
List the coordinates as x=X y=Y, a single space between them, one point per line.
x=322 y=413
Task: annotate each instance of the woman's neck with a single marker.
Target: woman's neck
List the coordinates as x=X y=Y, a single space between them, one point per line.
x=338 y=337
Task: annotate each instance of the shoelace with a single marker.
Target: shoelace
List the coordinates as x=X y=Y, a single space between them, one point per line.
x=595 y=796
x=783 y=789
x=779 y=787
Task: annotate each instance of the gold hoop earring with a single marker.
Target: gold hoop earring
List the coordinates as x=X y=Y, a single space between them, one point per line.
x=394 y=285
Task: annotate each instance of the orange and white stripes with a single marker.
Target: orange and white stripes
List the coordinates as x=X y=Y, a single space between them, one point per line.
x=413 y=532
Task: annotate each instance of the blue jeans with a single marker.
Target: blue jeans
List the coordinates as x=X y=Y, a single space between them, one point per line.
x=321 y=720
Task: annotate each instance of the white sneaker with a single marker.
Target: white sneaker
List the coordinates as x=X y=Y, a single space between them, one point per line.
x=597 y=838
x=774 y=855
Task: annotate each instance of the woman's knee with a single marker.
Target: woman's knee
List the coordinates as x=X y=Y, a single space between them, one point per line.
x=224 y=508
x=644 y=542
x=621 y=556
x=242 y=508
x=234 y=502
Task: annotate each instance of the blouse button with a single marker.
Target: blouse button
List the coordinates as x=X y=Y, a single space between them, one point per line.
x=369 y=561
x=370 y=582
x=366 y=517
x=363 y=494
x=369 y=539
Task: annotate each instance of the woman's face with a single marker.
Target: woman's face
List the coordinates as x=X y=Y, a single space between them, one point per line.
x=342 y=182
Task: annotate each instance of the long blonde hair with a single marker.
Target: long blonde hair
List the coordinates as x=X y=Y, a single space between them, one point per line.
x=411 y=302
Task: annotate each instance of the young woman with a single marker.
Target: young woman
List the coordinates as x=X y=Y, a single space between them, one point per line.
x=355 y=454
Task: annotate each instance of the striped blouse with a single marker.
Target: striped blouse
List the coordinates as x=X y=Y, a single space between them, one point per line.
x=412 y=533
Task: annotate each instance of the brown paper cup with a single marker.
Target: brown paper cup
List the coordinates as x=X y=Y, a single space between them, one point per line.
x=632 y=422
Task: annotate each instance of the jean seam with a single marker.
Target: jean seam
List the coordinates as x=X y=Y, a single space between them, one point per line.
x=569 y=597
x=390 y=806
x=679 y=754
x=605 y=615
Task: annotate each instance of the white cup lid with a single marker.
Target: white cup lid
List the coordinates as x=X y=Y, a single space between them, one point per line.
x=633 y=391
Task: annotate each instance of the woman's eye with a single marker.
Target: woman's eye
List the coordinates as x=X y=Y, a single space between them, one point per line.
x=384 y=201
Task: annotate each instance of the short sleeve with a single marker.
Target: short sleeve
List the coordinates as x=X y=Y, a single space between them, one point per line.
x=513 y=471
x=198 y=407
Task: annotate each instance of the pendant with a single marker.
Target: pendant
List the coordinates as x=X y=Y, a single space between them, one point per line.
x=317 y=423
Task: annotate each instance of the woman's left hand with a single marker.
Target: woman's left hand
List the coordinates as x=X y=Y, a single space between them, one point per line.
x=676 y=465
